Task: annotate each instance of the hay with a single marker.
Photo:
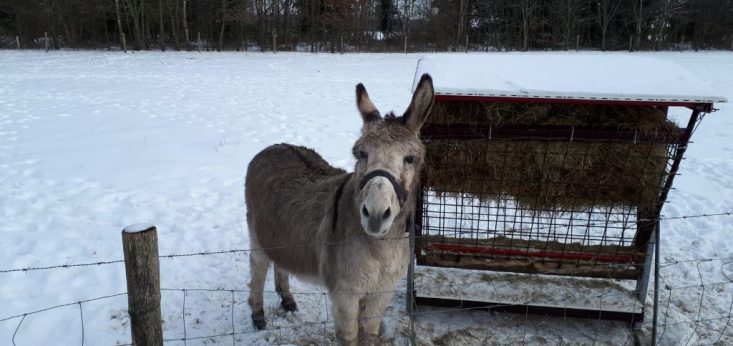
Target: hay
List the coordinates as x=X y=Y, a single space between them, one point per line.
x=649 y=121
x=551 y=174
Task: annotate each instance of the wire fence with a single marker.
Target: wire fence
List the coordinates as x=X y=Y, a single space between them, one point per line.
x=695 y=307
x=235 y=251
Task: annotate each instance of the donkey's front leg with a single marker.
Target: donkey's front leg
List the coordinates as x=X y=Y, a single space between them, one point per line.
x=346 y=313
x=372 y=308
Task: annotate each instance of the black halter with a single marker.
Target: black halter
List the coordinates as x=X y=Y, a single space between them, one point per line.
x=398 y=189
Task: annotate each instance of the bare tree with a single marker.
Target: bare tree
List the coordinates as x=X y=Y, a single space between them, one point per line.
x=161 y=29
x=462 y=14
x=123 y=42
x=185 y=27
x=221 y=27
x=527 y=9
x=569 y=18
x=606 y=11
x=638 y=22
x=134 y=9
x=665 y=12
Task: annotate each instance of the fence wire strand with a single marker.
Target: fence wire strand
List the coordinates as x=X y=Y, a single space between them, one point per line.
x=698 y=321
x=313 y=244
x=695 y=322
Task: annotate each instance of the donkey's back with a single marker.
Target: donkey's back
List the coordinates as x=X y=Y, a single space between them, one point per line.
x=287 y=190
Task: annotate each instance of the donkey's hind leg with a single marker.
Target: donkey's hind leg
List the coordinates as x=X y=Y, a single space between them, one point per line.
x=258 y=266
x=282 y=286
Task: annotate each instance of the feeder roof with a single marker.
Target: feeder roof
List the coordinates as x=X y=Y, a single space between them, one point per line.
x=566 y=77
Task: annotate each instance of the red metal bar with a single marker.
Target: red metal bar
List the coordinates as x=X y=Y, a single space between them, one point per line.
x=523 y=253
x=696 y=105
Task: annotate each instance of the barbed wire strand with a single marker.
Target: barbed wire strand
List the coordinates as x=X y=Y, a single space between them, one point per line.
x=696 y=321
x=234 y=333
x=233 y=251
x=464 y=283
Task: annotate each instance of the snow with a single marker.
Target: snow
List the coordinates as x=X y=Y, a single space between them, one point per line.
x=91 y=142
x=512 y=288
x=565 y=76
x=138 y=227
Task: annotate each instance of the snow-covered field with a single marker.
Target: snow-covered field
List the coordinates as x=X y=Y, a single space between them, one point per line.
x=91 y=142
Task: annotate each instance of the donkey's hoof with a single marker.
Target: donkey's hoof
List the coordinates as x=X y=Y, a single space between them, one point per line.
x=258 y=320
x=289 y=305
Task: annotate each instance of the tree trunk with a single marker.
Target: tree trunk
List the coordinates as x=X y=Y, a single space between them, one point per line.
x=462 y=9
x=20 y=29
x=223 y=23
x=527 y=12
x=161 y=30
x=408 y=15
x=639 y=18
x=185 y=27
x=174 y=27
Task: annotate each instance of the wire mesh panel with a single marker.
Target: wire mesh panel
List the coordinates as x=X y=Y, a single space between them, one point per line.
x=514 y=188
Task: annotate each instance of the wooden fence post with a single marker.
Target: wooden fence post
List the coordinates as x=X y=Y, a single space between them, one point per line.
x=17 y=41
x=198 y=41
x=45 y=40
x=142 y=268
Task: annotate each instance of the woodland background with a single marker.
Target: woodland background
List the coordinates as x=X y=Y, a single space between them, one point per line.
x=368 y=25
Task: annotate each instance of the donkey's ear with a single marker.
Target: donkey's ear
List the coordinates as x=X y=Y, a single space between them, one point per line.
x=422 y=103
x=365 y=105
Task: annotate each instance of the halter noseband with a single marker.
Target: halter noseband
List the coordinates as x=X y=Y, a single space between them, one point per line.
x=398 y=189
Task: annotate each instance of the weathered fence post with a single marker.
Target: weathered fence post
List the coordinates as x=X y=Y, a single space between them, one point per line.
x=45 y=40
x=17 y=41
x=198 y=41
x=142 y=267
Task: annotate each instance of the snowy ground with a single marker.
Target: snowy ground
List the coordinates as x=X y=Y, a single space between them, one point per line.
x=93 y=141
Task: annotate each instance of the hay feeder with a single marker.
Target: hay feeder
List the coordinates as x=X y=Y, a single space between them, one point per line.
x=545 y=180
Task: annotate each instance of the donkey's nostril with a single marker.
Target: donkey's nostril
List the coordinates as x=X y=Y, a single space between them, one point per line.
x=386 y=213
x=364 y=211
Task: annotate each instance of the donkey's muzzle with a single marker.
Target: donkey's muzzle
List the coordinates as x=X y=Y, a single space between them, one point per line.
x=398 y=189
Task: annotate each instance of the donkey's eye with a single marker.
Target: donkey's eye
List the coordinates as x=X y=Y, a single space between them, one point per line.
x=409 y=159
x=363 y=155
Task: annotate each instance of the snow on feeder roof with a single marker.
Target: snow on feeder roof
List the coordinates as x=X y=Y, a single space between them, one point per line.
x=574 y=78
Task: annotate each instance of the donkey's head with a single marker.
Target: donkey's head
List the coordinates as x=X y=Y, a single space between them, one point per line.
x=389 y=157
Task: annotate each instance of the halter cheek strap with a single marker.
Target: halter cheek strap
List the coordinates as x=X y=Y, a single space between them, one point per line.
x=398 y=189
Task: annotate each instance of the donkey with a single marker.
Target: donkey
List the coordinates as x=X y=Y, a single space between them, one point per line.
x=344 y=231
